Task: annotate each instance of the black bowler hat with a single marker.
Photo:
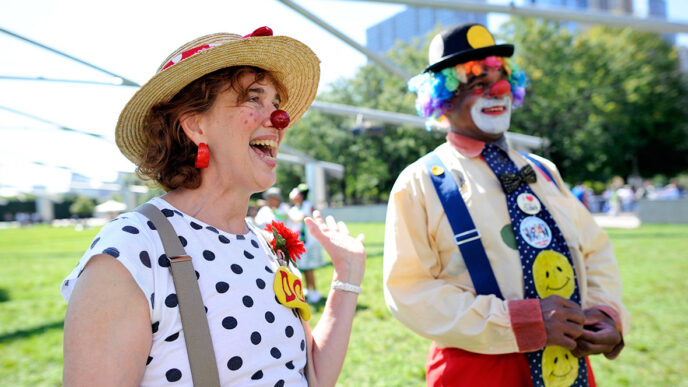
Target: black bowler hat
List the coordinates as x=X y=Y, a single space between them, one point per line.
x=464 y=43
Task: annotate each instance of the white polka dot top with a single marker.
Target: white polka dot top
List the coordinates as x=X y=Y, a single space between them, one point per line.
x=257 y=341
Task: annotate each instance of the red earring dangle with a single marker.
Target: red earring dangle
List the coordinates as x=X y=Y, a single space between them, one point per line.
x=203 y=156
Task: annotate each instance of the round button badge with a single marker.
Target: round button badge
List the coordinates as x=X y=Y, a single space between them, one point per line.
x=535 y=232
x=528 y=203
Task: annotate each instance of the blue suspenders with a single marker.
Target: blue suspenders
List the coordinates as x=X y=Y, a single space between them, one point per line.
x=466 y=236
x=540 y=166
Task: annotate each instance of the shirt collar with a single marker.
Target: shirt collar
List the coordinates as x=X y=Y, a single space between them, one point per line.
x=471 y=147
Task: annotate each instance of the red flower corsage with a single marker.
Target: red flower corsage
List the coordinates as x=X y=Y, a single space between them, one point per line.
x=286 y=243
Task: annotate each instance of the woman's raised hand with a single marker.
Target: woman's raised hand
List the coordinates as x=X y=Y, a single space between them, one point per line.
x=347 y=253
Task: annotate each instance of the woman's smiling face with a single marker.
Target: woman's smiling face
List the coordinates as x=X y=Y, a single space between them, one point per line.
x=242 y=140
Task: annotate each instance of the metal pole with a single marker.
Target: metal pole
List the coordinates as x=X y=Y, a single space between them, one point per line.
x=374 y=57
x=587 y=16
x=125 y=81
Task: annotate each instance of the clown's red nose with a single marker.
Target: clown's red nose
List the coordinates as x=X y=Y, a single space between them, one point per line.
x=500 y=88
x=279 y=119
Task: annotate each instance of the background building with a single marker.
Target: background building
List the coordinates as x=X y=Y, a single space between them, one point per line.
x=413 y=23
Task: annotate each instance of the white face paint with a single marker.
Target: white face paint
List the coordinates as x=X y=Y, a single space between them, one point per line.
x=492 y=115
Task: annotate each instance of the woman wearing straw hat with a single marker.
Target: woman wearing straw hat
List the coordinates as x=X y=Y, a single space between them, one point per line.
x=207 y=128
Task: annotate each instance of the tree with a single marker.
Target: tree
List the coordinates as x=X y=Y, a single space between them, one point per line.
x=82 y=207
x=372 y=159
x=609 y=100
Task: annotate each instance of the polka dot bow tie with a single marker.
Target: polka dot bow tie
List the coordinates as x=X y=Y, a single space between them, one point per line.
x=511 y=181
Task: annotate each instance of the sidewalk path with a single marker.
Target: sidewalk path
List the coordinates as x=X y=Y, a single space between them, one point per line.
x=625 y=220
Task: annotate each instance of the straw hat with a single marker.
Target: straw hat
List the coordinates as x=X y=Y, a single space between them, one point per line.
x=290 y=61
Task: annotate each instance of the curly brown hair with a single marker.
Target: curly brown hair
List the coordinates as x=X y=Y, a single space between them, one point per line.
x=169 y=155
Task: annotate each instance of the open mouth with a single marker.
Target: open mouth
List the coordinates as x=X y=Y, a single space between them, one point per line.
x=265 y=148
x=493 y=110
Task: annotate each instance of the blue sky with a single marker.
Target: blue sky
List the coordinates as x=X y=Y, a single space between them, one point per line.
x=131 y=38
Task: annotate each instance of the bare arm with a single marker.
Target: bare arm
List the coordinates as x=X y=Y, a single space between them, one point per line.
x=107 y=332
x=331 y=335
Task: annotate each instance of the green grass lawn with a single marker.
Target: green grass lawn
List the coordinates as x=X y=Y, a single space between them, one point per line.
x=653 y=261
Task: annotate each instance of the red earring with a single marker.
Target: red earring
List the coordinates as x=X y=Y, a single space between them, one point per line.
x=279 y=119
x=203 y=156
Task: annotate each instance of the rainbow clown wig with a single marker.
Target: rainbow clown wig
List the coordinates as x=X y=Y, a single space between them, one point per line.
x=435 y=89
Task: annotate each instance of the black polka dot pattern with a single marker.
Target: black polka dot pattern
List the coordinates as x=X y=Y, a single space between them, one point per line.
x=236 y=269
x=235 y=363
x=208 y=255
x=111 y=251
x=163 y=261
x=235 y=275
x=531 y=243
x=173 y=375
x=255 y=338
x=222 y=287
x=130 y=229
x=171 y=301
x=274 y=352
x=229 y=322
x=145 y=259
x=269 y=317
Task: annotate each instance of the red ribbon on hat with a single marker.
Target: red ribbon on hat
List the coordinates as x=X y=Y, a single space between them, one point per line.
x=261 y=31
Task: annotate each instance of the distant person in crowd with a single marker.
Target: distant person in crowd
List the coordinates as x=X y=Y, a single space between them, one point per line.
x=581 y=193
x=626 y=198
x=671 y=190
x=486 y=252
x=301 y=208
x=274 y=209
x=207 y=128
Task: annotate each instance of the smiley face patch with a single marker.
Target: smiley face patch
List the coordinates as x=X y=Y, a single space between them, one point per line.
x=559 y=367
x=553 y=275
x=289 y=291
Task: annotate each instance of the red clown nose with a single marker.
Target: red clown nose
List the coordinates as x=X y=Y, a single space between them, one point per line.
x=279 y=119
x=500 y=88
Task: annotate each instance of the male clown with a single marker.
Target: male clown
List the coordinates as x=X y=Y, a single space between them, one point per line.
x=531 y=287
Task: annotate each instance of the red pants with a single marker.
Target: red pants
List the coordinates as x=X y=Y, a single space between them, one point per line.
x=456 y=367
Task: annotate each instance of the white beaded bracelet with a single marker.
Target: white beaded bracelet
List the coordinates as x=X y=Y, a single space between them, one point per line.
x=347 y=287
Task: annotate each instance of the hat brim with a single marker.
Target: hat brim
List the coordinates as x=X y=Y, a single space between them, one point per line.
x=290 y=61
x=503 y=50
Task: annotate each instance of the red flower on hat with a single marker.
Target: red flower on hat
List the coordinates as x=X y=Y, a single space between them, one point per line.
x=286 y=243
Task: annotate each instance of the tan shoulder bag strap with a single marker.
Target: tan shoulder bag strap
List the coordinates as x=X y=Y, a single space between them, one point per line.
x=199 y=345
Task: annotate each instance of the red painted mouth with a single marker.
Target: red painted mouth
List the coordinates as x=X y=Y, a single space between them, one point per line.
x=494 y=110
